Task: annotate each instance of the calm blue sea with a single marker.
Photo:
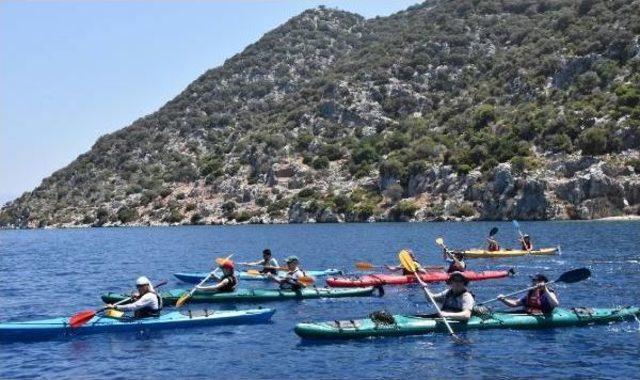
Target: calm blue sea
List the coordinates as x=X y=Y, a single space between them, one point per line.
x=48 y=273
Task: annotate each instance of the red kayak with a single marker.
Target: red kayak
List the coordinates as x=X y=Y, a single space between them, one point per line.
x=399 y=279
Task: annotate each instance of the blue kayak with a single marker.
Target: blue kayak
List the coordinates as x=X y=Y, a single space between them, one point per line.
x=194 y=278
x=59 y=327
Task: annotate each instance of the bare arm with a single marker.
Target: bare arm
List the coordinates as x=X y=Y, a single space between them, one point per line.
x=457 y=315
x=209 y=288
x=509 y=301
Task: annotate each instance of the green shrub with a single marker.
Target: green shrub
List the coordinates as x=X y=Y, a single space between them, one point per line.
x=228 y=207
x=593 y=141
x=483 y=115
x=211 y=165
x=320 y=162
x=195 y=218
x=331 y=151
x=174 y=216
x=404 y=209
x=126 y=215
x=465 y=210
x=307 y=192
x=463 y=169
x=243 y=216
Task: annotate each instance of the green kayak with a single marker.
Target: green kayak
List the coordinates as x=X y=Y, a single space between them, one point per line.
x=415 y=325
x=251 y=295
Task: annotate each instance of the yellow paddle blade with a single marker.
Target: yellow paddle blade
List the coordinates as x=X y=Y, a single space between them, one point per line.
x=440 y=241
x=253 y=272
x=183 y=298
x=364 y=265
x=406 y=261
x=306 y=281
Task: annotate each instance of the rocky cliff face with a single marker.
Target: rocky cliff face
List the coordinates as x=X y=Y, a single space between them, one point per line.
x=448 y=110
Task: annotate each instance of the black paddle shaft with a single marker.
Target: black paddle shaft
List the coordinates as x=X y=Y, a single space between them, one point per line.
x=569 y=277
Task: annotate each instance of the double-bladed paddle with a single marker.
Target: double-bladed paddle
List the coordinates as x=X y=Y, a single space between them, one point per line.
x=568 y=277
x=409 y=264
x=517 y=227
x=185 y=297
x=82 y=317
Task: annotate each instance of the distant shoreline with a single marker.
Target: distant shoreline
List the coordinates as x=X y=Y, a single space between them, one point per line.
x=606 y=219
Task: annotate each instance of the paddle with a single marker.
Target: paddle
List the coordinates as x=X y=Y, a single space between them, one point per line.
x=447 y=251
x=568 y=277
x=409 y=264
x=517 y=226
x=185 y=297
x=363 y=265
x=82 y=317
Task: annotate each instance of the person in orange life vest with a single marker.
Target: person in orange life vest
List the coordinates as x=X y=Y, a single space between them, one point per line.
x=227 y=283
x=396 y=268
x=457 y=261
x=525 y=242
x=492 y=244
x=538 y=301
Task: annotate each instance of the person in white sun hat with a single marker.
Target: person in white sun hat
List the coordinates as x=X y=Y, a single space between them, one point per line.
x=147 y=303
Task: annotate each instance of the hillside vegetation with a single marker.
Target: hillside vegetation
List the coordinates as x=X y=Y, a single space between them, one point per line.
x=450 y=109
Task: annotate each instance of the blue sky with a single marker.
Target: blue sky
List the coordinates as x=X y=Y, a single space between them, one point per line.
x=73 y=71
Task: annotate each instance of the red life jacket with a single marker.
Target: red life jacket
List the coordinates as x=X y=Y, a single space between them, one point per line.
x=536 y=303
x=527 y=247
x=493 y=246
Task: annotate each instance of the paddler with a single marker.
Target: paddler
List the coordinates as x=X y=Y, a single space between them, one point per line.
x=147 y=303
x=538 y=301
x=396 y=268
x=226 y=283
x=525 y=242
x=456 y=258
x=492 y=244
x=290 y=280
x=456 y=302
x=268 y=263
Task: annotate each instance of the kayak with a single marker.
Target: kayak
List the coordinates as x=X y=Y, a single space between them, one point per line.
x=416 y=325
x=480 y=253
x=59 y=327
x=251 y=295
x=194 y=278
x=399 y=279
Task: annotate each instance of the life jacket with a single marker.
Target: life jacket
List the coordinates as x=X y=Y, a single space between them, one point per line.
x=268 y=270
x=447 y=303
x=456 y=267
x=148 y=312
x=291 y=284
x=230 y=286
x=536 y=303
x=527 y=247
x=493 y=246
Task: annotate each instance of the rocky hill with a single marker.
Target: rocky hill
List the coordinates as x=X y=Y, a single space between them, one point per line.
x=466 y=109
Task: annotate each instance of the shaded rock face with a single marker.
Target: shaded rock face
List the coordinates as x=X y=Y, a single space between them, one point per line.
x=590 y=193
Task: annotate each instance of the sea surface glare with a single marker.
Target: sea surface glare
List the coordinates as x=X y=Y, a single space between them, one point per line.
x=51 y=273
